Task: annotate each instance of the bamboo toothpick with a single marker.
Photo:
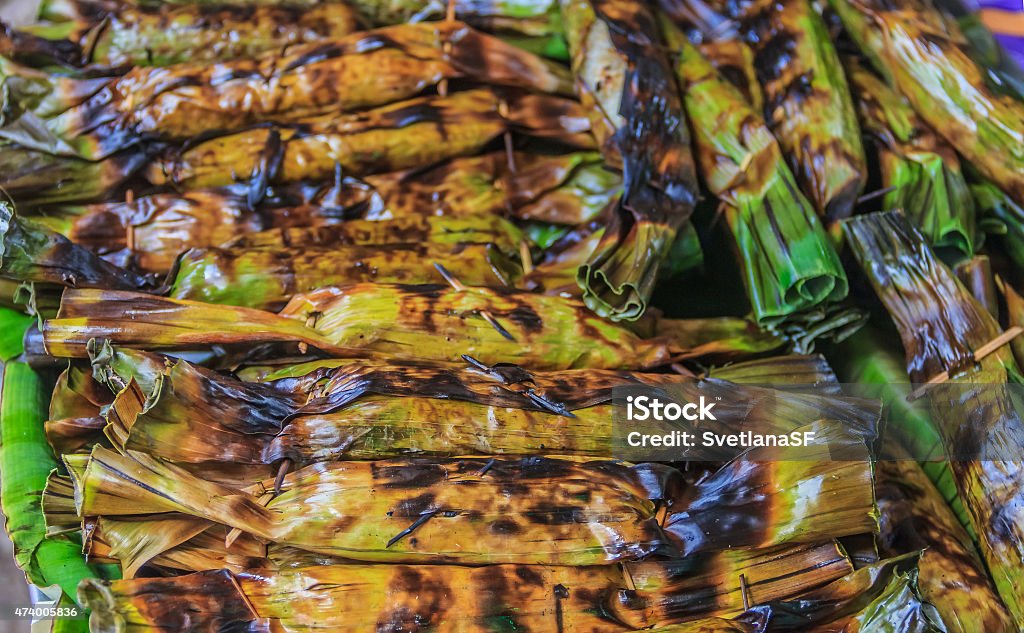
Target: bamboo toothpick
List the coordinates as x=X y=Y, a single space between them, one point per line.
x=871 y=195
x=282 y=472
x=233 y=535
x=744 y=592
x=487 y=316
x=446 y=48
x=525 y=257
x=977 y=356
x=248 y=603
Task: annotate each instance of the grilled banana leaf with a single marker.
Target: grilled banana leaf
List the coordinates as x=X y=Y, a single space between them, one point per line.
x=405 y=135
x=562 y=189
x=626 y=86
x=899 y=608
x=1001 y=218
x=266 y=278
x=425 y=230
x=107 y=33
x=470 y=510
x=867 y=359
x=924 y=56
x=529 y=17
x=734 y=61
x=788 y=262
x=942 y=325
x=709 y=585
x=720 y=338
x=75 y=421
x=149 y=232
x=950 y=574
x=807 y=100
x=402 y=322
x=31 y=252
x=556 y=267
x=31 y=177
x=352 y=597
x=365 y=410
x=363 y=70
x=922 y=170
x=779 y=506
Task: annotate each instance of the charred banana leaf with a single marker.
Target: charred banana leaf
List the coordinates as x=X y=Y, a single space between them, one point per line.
x=267 y=278
x=76 y=421
x=734 y=60
x=891 y=604
x=560 y=259
x=362 y=70
x=33 y=178
x=572 y=189
x=563 y=189
x=788 y=261
x=430 y=230
x=531 y=17
x=470 y=510
x=922 y=170
x=709 y=585
x=370 y=410
x=431 y=323
x=719 y=339
x=807 y=100
x=352 y=597
x=627 y=89
x=31 y=252
x=149 y=232
x=869 y=360
x=1001 y=218
x=950 y=574
x=717 y=38
x=405 y=135
x=108 y=33
x=776 y=510
x=924 y=56
x=942 y=325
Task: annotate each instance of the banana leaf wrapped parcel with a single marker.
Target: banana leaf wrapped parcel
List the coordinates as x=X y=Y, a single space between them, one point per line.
x=942 y=325
x=789 y=264
x=115 y=34
x=94 y=117
x=627 y=89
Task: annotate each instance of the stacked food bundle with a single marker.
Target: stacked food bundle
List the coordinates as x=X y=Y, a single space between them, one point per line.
x=315 y=311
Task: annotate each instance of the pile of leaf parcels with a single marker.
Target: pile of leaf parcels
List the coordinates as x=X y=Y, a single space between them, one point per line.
x=312 y=313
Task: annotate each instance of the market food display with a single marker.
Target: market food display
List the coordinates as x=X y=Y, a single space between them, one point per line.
x=320 y=316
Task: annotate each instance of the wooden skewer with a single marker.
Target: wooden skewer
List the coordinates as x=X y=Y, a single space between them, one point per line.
x=978 y=355
x=744 y=592
x=871 y=195
x=446 y=48
x=487 y=316
x=248 y=603
x=524 y=255
x=628 y=577
x=233 y=535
